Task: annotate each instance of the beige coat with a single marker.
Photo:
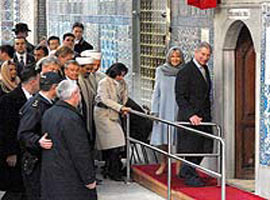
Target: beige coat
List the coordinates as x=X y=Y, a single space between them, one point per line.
x=107 y=120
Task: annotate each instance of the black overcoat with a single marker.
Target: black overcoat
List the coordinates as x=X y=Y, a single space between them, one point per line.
x=10 y=105
x=82 y=46
x=68 y=166
x=193 y=98
x=30 y=59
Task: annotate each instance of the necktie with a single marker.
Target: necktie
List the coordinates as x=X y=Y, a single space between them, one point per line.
x=21 y=60
x=203 y=73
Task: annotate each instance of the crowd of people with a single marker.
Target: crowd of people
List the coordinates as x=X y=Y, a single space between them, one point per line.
x=57 y=108
x=49 y=96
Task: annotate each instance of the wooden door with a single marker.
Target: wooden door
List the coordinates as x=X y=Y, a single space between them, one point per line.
x=245 y=106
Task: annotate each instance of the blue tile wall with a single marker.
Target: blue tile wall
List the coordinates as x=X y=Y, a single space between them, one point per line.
x=264 y=101
x=107 y=26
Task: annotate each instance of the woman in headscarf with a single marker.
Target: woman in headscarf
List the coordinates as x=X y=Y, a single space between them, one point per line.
x=164 y=104
x=8 y=79
x=111 y=97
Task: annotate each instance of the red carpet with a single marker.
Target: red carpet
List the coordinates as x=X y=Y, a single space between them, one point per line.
x=210 y=192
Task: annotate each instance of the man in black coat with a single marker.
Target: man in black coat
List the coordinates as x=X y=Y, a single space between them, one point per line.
x=10 y=152
x=30 y=136
x=21 y=30
x=193 y=86
x=67 y=170
x=22 y=58
x=80 y=43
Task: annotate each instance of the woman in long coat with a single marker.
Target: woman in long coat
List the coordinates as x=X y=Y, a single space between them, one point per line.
x=163 y=101
x=111 y=97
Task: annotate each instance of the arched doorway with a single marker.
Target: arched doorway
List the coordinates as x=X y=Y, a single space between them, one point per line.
x=238 y=99
x=245 y=105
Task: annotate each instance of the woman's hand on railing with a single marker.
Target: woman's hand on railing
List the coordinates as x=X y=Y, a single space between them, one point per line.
x=125 y=110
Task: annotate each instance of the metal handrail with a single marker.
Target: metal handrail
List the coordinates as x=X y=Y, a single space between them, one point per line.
x=170 y=156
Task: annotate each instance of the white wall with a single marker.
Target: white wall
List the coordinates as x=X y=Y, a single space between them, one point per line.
x=226 y=29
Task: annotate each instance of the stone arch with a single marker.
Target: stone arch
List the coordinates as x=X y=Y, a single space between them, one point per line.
x=228 y=74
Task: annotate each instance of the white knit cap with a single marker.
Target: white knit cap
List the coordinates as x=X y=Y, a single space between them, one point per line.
x=84 y=60
x=91 y=53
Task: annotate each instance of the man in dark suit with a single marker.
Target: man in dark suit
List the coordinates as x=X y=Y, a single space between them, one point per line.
x=10 y=153
x=30 y=136
x=80 y=43
x=192 y=90
x=21 y=58
x=21 y=30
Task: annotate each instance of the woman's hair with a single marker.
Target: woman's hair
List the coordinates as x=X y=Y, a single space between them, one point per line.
x=116 y=69
x=170 y=52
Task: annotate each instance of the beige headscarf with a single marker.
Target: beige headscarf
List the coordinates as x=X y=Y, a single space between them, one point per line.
x=6 y=83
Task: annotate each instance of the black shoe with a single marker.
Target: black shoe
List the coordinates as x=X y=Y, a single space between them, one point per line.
x=187 y=172
x=194 y=182
x=116 y=178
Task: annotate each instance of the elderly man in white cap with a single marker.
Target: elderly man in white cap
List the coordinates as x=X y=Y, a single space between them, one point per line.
x=96 y=64
x=87 y=84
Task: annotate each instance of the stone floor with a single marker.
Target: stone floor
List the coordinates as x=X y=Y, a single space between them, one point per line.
x=111 y=190
x=248 y=185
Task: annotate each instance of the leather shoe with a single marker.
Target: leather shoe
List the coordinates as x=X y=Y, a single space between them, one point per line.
x=187 y=172
x=116 y=178
x=194 y=182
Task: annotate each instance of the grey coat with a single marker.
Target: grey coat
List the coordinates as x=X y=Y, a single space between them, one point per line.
x=107 y=120
x=68 y=167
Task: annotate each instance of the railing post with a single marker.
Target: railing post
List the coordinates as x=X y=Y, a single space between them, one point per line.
x=219 y=167
x=128 y=148
x=223 y=174
x=169 y=132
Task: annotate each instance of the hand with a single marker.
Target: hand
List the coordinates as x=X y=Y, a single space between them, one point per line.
x=195 y=120
x=45 y=143
x=125 y=110
x=91 y=186
x=11 y=160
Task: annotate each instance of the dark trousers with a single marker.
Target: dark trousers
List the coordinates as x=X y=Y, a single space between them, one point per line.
x=189 y=171
x=32 y=183
x=113 y=162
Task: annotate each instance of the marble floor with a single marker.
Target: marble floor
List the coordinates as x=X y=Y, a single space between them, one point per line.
x=248 y=185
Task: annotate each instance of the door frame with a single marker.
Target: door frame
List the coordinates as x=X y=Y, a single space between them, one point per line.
x=224 y=85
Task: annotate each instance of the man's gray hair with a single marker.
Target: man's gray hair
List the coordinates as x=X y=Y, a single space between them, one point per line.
x=73 y=62
x=204 y=45
x=65 y=89
x=51 y=60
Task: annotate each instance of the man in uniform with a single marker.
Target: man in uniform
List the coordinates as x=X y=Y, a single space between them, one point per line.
x=30 y=136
